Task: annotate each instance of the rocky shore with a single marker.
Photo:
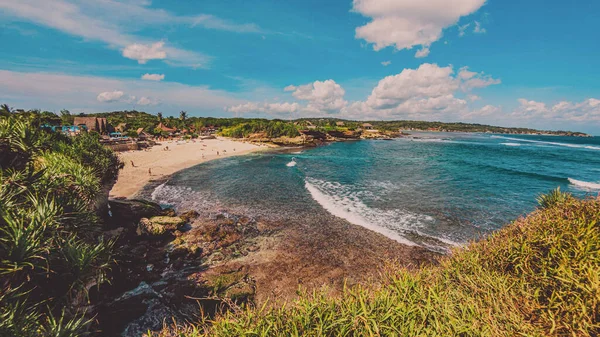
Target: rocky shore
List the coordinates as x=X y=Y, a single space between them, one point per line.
x=174 y=267
x=313 y=138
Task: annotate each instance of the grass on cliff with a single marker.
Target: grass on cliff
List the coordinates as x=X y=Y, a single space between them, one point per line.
x=539 y=276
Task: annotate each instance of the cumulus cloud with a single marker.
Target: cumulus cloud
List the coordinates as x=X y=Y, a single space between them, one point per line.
x=147 y=101
x=110 y=96
x=478 y=29
x=472 y=80
x=426 y=92
x=404 y=24
x=322 y=96
x=145 y=52
x=462 y=29
x=486 y=111
x=276 y=109
x=153 y=77
x=423 y=52
x=585 y=111
x=55 y=91
x=386 y=63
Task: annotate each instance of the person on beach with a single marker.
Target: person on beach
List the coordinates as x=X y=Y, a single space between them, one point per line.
x=149 y=171
x=217 y=153
x=132 y=164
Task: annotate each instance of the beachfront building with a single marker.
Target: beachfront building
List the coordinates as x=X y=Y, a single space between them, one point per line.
x=339 y=123
x=367 y=126
x=166 y=129
x=92 y=124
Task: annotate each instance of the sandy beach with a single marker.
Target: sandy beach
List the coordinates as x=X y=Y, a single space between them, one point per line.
x=157 y=162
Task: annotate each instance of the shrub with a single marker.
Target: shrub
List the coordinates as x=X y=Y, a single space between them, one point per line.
x=49 y=253
x=553 y=198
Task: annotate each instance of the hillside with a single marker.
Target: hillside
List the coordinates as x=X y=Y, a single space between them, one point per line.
x=537 y=277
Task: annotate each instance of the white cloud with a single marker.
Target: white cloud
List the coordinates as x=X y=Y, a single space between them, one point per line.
x=147 y=101
x=423 y=52
x=322 y=96
x=462 y=29
x=473 y=98
x=145 y=52
x=213 y=22
x=472 y=80
x=585 y=111
x=478 y=29
x=404 y=24
x=110 y=96
x=484 y=112
x=274 y=109
x=81 y=93
x=386 y=63
x=427 y=92
x=428 y=80
x=153 y=77
x=112 y=22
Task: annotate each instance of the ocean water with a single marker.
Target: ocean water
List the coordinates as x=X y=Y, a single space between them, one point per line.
x=435 y=190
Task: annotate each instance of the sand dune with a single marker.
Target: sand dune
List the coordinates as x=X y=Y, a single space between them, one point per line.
x=180 y=155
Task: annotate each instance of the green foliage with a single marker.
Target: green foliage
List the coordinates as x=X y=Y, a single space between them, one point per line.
x=271 y=129
x=539 y=276
x=553 y=198
x=49 y=255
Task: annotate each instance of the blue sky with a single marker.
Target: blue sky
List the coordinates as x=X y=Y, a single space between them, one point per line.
x=516 y=63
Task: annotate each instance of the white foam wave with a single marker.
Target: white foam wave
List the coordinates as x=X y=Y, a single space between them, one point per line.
x=431 y=140
x=182 y=197
x=579 y=146
x=291 y=164
x=342 y=202
x=585 y=184
x=511 y=144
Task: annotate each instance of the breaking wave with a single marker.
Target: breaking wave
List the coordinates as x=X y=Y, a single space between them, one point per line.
x=346 y=203
x=585 y=184
x=579 y=146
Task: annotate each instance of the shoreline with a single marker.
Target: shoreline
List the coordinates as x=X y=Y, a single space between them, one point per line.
x=156 y=163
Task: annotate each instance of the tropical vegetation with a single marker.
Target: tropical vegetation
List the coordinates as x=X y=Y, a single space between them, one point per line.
x=50 y=251
x=133 y=120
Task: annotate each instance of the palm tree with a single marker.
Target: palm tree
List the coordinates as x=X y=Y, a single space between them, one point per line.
x=183 y=115
x=159 y=115
x=5 y=110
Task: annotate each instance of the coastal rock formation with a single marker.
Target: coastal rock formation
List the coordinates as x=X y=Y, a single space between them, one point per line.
x=130 y=211
x=159 y=226
x=167 y=272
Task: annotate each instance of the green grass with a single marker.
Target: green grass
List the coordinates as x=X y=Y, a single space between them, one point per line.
x=539 y=276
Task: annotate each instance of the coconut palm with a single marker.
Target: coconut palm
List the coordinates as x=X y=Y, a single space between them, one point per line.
x=159 y=115
x=183 y=115
x=5 y=110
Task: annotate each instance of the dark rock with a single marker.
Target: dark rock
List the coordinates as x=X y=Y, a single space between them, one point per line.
x=125 y=212
x=169 y=212
x=189 y=215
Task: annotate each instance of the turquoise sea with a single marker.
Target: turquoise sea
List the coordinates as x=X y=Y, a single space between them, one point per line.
x=434 y=190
